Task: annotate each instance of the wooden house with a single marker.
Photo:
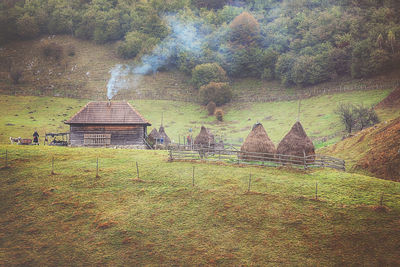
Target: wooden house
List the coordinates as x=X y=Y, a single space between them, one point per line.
x=104 y=123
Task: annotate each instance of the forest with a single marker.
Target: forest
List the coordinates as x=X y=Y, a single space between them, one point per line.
x=300 y=43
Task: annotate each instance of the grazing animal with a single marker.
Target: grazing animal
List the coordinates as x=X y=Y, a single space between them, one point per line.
x=15 y=140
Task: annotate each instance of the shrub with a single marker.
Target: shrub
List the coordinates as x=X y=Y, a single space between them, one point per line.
x=211 y=108
x=219 y=114
x=219 y=93
x=205 y=73
x=16 y=75
x=52 y=50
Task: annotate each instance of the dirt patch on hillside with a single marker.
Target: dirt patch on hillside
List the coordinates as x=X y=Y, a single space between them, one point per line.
x=383 y=157
x=392 y=100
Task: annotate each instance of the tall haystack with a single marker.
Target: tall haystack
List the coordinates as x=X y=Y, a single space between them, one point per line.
x=154 y=136
x=164 y=136
x=257 y=142
x=204 y=138
x=296 y=142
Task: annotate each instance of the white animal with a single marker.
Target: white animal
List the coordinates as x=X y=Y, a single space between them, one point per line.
x=15 y=140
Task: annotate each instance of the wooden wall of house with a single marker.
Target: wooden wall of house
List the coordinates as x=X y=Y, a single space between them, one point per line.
x=120 y=134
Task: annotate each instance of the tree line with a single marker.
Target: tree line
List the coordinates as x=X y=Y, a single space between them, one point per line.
x=302 y=42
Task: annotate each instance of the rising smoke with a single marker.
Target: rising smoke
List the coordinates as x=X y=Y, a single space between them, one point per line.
x=184 y=36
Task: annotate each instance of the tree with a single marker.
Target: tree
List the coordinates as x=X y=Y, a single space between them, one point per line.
x=205 y=73
x=347 y=116
x=245 y=30
x=27 y=27
x=210 y=4
x=220 y=93
x=366 y=116
x=211 y=108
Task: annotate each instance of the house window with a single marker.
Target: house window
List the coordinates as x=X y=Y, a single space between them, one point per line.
x=97 y=139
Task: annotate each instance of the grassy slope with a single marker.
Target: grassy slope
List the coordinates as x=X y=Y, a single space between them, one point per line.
x=47 y=114
x=374 y=148
x=113 y=220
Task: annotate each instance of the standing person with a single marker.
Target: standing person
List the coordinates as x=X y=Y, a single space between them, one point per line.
x=36 y=138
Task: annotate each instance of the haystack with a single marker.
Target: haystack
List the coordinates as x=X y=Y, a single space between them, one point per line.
x=204 y=138
x=164 y=136
x=296 y=142
x=257 y=142
x=154 y=136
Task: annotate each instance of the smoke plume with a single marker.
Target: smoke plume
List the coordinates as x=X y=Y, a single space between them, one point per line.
x=183 y=37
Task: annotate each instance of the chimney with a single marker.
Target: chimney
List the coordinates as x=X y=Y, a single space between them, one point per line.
x=109 y=103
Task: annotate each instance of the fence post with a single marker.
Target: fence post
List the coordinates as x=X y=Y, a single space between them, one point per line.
x=304 y=160
x=193 y=176
x=6 y=159
x=52 y=165
x=170 y=154
x=316 y=190
x=248 y=190
x=97 y=168
x=137 y=170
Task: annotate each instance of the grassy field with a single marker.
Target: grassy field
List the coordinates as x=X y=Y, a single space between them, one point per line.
x=74 y=218
x=23 y=114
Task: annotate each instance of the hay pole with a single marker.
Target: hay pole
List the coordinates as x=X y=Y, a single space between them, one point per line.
x=316 y=190
x=381 y=201
x=193 y=176
x=248 y=189
x=137 y=170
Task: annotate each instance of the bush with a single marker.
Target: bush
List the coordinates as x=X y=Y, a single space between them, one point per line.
x=205 y=73
x=16 y=75
x=219 y=93
x=211 y=108
x=219 y=114
x=52 y=50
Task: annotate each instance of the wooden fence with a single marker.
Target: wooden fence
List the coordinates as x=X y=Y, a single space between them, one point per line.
x=254 y=158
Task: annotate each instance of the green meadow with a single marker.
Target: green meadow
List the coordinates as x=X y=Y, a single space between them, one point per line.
x=22 y=115
x=117 y=219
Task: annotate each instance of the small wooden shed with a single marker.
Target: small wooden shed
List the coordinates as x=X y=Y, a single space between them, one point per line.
x=104 y=123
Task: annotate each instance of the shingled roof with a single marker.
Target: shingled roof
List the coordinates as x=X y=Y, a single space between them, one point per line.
x=104 y=112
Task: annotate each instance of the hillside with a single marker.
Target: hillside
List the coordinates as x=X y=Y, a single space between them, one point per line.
x=117 y=219
x=375 y=150
x=86 y=74
x=82 y=75
x=22 y=115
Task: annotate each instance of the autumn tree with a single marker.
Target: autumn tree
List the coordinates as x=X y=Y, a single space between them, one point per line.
x=244 y=30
